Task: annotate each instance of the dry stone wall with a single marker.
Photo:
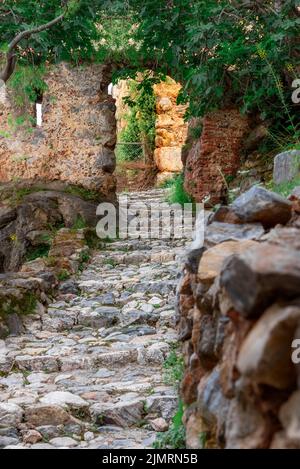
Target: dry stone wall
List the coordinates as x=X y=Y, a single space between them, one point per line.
x=239 y=313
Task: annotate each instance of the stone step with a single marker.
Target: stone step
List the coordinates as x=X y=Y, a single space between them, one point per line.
x=87 y=373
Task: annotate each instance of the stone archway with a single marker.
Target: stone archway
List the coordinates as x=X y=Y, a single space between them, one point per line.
x=164 y=160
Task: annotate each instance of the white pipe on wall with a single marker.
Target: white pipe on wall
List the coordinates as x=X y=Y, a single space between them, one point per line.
x=39 y=115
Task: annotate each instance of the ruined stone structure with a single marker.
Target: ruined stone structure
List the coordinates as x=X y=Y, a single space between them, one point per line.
x=171 y=129
x=76 y=141
x=215 y=156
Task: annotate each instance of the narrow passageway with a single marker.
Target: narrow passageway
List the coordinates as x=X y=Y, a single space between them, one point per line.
x=90 y=372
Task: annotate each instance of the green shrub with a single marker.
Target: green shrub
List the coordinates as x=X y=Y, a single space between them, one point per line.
x=79 y=224
x=24 y=305
x=175 y=437
x=83 y=260
x=83 y=193
x=63 y=275
x=173 y=368
x=285 y=188
x=37 y=251
x=27 y=83
x=177 y=194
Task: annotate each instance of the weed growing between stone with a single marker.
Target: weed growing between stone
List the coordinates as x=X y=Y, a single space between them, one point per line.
x=284 y=188
x=177 y=195
x=174 y=437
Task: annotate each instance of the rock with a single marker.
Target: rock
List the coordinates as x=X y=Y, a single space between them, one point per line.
x=39 y=363
x=123 y=414
x=147 y=308
x=118 y=358
x=246 y=427
x=286 y=166
x=254 y=278
x=295 y=199
x=88 y=436
x=281 y=441
x=31 y=436
x=265 y=355
x=7 y=441
x=290 y=418
x=161 y=406
x=217 y=232
x=162 y=177
x=104 y=373
x=10 y=414
x=255 y=137
x=35 y=213
x=69 y=286
x=63 y=442
x=159 y=424
x=49 y=431
x=106 y=160
x=168 y=159
x=105 y=316
x=64 y=399
x=194 y=429
x=225 y=214
x=284 y=236
x=212 y=260
x=42 y=446
x=213 y=405
x=40 y=414
x=7 y=215
x=155 y=354
x=262 y=206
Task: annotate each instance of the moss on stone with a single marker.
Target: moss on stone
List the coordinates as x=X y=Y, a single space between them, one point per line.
x=25 y=304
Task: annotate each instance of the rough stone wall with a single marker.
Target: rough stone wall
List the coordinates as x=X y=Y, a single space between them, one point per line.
x=120 y=91
x=171 y=129
x=215 y=155
x=239 y=312
x=76 y=141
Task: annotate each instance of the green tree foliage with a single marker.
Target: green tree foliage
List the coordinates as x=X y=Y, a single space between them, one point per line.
x=226 y=53
x=70 y=39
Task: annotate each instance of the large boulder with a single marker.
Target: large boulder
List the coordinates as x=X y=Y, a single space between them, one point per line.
x=21 y=295
x=286 y=166
x=254 y=278
x=35 y=217
x=262 y=206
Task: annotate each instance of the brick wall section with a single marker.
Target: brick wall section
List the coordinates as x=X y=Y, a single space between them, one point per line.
x=216 y=153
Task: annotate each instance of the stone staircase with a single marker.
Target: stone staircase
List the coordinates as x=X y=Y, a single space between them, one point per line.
x=88 y=373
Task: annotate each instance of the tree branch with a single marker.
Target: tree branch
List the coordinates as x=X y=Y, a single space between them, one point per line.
x=11 y=58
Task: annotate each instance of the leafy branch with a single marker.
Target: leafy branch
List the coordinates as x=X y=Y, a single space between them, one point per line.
x=11 y=56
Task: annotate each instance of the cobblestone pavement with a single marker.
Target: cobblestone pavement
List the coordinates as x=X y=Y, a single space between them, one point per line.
x=88 y=374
